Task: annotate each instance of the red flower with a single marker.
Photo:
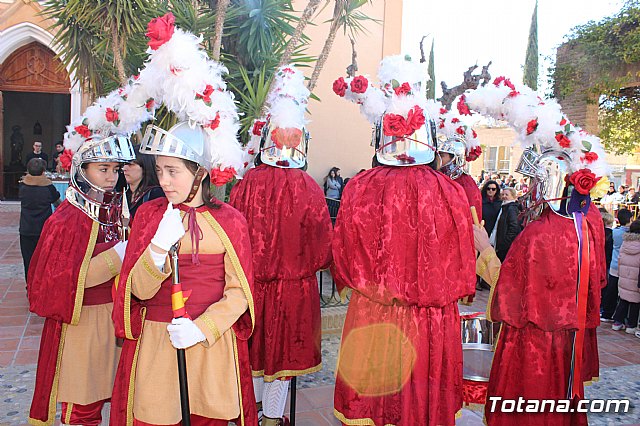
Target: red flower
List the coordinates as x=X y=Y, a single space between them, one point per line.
x=340 y=87
x=220 y=177
x=563 y=121
x=415 y=119
x=257 y=127
x=289 y=137
x=359 y=84
x=583 y=180
x=160 y=30
x=443 y=111
x=532 y=126
x=403 y=89
x=564 y=141
x=206 y=95
x=251 y=151
x=150 y=104
x=65 y=159
x=463 y=108
x=83 y=131
x=394 y=125
x=455 y=120
x=513 y=93
x=504 y=81
x=441 y=124
x=214 y=123
x=404 y=158
x=461 y=130
x=474 y=153
x=112 y=116
x=475 y=135
x=590 y=157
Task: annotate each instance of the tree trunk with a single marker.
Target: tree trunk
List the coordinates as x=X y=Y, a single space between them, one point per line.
x=295 y=38
x=328 y=44
x=117 y=55
x=221 y=12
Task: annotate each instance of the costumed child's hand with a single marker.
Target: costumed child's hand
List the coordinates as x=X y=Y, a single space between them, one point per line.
x=480 y=238
x=170 y=230
x=183 y=333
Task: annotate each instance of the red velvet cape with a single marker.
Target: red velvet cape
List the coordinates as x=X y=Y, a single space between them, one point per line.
x=289 y=222
x=53 y=290
x=538 y=278
x=403 y=235
x=128 y=312
x=473 y=192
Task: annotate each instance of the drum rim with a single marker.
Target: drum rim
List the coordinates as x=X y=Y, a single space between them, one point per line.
x=476 y=347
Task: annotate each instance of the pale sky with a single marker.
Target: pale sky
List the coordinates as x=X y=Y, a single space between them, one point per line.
x=467 y=32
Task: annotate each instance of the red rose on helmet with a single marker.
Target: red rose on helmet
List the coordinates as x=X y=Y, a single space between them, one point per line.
x=463 y=108
x=83 y=131
x=150 y=104
x=563 y=140
x=394 y=125
x=403 y=89
x=257 y=127
x=532 y=126
x=65 y=159
x=220 y=177
x=443 y=111
x=415 y=119
x=112 y=115
x=583 y=180
x=590 y=157
x=455 y=120
x=359 y=84
x=289 y=137
x=160 y=30
x=461 y=130
x=340 y=87
x=474 y=153
x=475 y=135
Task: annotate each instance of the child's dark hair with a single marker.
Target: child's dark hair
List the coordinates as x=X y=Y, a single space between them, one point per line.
x=36 y=166
x=635 y=227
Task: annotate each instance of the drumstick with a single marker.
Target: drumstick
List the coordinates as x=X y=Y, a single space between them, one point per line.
x=474 y=215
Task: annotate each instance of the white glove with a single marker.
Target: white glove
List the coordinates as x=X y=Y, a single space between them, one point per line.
x=170 y=230
x=184 y=333
x=120 y=249
x=159 y=259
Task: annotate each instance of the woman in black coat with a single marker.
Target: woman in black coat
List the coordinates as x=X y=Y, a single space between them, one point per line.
x=491 y=204
x=508 y=224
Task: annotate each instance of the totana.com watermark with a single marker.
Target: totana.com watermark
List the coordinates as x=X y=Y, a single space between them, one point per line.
x=522 y=405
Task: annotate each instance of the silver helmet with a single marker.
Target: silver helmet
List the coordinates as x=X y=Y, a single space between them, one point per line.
x=458 y=150
x=284 y=147
x=183 y=140
x=419 y=148
x=527 y=164
x=100 y=204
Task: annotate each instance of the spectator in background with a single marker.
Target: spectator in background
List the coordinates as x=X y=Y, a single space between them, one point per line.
x=332 y=186
x=491 y=204
x=59 y=149
x=610 y=299
x=619 y=197
x=36 y=194
x=37 y=153
x=507 y=225
x=142 y=180
x=608 y=220
x=626 y=314
x=632 y=196
x=339 y=180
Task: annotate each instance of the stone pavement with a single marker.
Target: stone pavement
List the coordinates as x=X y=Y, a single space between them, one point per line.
x=20 y=336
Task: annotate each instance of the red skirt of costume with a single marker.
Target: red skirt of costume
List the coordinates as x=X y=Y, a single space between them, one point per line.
x=290 y=231
x=535 y=298
x=399 y=234
x=473 y=193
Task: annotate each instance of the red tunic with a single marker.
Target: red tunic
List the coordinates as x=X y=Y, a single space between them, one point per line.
x=55 y=288
x=535 y=299
x=403 y=242
x=290 y=232
x=129 y=313
x=473 y=192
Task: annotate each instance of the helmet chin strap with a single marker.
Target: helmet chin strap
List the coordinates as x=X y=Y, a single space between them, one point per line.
x=197 y=180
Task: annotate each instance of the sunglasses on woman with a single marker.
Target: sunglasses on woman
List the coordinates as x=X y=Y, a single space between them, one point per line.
x=492 y=188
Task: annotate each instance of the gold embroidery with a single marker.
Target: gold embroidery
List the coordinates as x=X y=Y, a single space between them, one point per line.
x=67 y=418
x=235 y=261
x=110 y=265
x=127 y=309
x=151 y=270
x=53 y=397
x=235 y=355
x=356 y=422
x=286 y=373
x=77 y=307
x=211 y=325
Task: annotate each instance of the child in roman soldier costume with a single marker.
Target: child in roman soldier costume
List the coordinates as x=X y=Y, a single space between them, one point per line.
x=290 y=232
x=401 y=229
x=547 y=294
x=212 y=316
x=76 y=261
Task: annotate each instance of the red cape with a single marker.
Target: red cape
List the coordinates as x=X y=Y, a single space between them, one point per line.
x=289 y=222
x=473 y=192
x=128 y=312
x=538 y=278
x=403 y=235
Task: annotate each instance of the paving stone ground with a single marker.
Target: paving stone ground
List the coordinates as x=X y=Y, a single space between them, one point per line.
x=20 y=337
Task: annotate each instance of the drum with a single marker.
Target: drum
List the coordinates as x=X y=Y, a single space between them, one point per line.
x=479 y=336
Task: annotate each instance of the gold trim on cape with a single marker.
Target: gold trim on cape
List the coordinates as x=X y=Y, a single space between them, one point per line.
x=53 y=396
x=67 y=418
x=235 y=355
x=84 y=267
x=285 y=373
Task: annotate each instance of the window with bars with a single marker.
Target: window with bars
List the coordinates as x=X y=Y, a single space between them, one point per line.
x=498 y=159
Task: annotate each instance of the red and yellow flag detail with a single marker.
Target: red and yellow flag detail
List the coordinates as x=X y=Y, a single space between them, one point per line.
x=178 y=299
